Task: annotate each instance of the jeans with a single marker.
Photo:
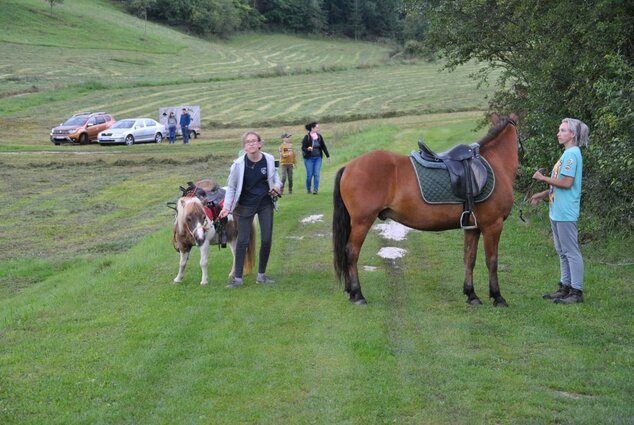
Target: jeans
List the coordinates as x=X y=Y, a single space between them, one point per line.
x=313 y=167
x=245 y=215
x=567 y=247
x=185 y=130
x=172 y=137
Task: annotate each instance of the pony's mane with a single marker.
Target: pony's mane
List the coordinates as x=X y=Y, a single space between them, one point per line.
x=182 y=210
x=496 y=130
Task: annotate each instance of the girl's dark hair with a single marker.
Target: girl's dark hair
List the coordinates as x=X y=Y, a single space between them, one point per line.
x=310 y=125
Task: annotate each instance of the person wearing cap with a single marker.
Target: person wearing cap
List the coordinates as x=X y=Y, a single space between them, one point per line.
x=287 y=162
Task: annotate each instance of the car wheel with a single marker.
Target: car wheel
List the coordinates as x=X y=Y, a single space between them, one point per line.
x=158 y=138
x=192 y=134
x=83 y=139
x=56 y=143
x=129 y=140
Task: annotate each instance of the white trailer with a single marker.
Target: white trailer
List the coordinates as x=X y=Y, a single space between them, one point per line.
x=194 y=112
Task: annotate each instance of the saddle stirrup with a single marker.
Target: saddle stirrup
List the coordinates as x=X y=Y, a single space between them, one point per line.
x=464 y=220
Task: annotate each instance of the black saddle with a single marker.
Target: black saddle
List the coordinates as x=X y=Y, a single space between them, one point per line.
x=210 y=198
x=467 y=173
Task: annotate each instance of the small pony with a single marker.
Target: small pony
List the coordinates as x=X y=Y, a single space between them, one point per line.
x=198 y=225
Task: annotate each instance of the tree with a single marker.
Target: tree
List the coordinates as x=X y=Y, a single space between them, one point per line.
x=53 y=3
x=142 y=6
x=555 y=59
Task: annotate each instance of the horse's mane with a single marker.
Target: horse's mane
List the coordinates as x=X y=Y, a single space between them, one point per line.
x=181 y=208
x=495 y=130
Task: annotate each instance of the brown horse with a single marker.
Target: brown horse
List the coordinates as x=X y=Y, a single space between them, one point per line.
x=384 y=184
x=193 y=228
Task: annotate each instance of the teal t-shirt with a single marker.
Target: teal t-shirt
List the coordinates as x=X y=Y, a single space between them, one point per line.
x=565 y=203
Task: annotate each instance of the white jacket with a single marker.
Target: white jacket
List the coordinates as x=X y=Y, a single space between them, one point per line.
x=236 y=178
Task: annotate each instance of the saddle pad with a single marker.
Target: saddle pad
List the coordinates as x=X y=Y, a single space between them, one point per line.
x=435 y=184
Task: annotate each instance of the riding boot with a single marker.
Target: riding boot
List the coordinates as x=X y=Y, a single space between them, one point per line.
x=561 y=292
x=574 y=296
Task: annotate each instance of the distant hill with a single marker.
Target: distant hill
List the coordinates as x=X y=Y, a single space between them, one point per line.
x=89 y=55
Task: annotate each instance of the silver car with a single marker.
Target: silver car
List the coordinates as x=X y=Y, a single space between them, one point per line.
x=133 y=130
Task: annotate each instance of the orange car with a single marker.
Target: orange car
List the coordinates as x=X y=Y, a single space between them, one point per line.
x=82 y=127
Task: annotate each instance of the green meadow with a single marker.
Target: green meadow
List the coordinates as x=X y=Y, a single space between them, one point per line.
x=93 y=331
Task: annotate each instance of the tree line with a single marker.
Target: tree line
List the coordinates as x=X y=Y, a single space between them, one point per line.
x=359 y=19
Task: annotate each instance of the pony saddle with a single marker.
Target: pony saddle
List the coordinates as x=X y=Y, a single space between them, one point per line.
x=467 y=173
x=210 y=198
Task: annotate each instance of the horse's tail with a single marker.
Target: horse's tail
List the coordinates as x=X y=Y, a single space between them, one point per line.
x=249 y=259
x=340 y=230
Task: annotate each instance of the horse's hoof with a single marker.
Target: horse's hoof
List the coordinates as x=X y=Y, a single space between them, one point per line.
x=502 y=303
x=176 y=282
x=361 y=301
x=475 y=301
x=203 y=283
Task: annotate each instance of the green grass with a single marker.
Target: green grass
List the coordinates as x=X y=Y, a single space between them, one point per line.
x=92 y=330
x=107 y=338
x=88 y=41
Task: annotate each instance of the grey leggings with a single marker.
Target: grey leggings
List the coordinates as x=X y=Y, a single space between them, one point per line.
x=245 y=215
x=567 y=247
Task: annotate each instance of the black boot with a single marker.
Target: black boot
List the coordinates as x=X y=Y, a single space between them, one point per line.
x=574 y=296
x=561 y=292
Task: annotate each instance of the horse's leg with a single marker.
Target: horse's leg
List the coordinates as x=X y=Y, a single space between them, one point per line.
x=204 y=253
x=184 y=255
x=471 y=238
x=491 y=242
x=353 y=249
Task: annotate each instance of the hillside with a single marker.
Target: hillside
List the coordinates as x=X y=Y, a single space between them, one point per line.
x=91 y=56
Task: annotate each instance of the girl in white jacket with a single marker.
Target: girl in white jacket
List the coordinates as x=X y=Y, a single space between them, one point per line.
x=252 y=184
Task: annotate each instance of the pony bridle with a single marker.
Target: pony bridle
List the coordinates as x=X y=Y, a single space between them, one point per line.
x=204 y=226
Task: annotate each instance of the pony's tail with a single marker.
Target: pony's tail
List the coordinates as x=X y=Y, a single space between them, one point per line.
x=249 y=259
x=340 y=230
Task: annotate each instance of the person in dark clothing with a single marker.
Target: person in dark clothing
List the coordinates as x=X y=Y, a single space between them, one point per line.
x=313 y=150
x=184 y=122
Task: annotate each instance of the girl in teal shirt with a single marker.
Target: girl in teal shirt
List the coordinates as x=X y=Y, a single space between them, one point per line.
x=564 y=198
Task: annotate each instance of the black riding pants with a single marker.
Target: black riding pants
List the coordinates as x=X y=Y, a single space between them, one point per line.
x=245 y=215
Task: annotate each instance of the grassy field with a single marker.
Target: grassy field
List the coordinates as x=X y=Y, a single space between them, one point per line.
x=92 y=330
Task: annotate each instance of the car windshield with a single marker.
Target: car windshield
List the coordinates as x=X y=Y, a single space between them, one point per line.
x=123 y=124
x=79 y=120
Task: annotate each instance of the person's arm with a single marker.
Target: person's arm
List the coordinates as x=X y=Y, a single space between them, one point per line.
x=230 y=194
x=564 y=183
x=324 y=147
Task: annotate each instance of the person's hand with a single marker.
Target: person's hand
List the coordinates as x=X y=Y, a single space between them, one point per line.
x=275 y=191
x=223 y=213
x=538 y=176
x=538 y=197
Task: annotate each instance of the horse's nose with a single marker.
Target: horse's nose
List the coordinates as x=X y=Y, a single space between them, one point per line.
x=200 y=236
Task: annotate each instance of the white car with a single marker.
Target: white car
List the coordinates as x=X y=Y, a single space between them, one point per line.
x=133 y=130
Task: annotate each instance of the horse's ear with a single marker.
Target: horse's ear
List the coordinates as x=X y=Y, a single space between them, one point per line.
x=514 y=117
x=494 y=118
